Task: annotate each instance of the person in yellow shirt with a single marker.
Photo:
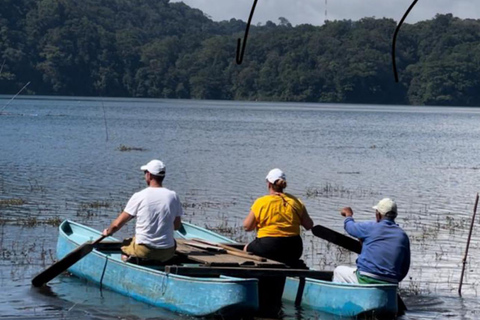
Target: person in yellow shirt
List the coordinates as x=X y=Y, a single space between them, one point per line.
x=277 y=217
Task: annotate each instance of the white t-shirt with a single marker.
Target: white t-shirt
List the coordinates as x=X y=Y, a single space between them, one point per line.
x=155 y=210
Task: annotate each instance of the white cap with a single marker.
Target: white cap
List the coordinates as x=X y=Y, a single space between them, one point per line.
x=155 y=167
x=274 y=175
x=386 y=205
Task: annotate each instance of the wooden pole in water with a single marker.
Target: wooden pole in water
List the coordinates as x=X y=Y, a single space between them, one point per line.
x=3 y=64
x=468 y=245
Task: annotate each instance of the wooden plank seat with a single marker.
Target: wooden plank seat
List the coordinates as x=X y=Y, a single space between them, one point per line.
x=207 y=254
x=248 y=272
x=222 y=257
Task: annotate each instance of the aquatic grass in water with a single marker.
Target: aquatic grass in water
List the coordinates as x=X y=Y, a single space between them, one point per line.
x=336 y=191
x=93 y=209
x=31 y=222
x=124 y=148
x=95 y=204
x=35 y=186
x=207 y=204
x=12 y=202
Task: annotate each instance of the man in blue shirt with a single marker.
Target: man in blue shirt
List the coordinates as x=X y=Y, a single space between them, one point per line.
x=385 y=256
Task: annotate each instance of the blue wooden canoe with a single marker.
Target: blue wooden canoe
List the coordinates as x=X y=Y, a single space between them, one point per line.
x=342 y=299
x=346 y=300
x=197 y=296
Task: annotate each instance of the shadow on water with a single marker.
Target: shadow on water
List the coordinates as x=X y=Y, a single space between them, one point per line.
x=72 y=298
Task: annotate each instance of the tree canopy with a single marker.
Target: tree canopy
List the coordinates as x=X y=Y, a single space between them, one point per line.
x=154 y=48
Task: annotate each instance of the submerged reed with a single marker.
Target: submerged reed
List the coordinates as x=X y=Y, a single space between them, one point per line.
x=12 y=202
x=124 y=148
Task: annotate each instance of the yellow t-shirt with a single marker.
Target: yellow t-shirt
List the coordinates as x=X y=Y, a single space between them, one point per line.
x=278 y=215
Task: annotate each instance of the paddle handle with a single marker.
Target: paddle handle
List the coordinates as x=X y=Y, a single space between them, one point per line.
x=99 y=240
x=224 y=246
x=202 y=246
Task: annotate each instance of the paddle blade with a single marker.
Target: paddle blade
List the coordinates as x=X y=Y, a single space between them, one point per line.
x=64 y=263
x=337 y=238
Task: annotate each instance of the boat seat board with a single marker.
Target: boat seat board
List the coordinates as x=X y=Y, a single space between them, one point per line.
x=222 y=258
x=246 y=272
x=198 y=252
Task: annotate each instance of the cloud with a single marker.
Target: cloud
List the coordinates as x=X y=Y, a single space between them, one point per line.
x=313 y=11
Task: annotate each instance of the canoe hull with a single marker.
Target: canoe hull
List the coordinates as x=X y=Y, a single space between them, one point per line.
x=333 y=298
x=341 y=299
x=187 y=295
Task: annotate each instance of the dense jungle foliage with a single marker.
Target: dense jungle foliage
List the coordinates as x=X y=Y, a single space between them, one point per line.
x=154 y=48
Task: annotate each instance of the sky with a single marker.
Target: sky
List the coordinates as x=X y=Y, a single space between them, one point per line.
x=313 y=11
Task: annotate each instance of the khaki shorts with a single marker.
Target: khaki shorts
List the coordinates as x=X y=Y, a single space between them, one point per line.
x=133 y=249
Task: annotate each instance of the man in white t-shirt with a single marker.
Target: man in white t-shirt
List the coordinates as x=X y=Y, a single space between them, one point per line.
x=158 y=212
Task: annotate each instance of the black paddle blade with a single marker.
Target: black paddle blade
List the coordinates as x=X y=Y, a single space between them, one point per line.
x=64 y=263
x=337 y=238
x=61 y=265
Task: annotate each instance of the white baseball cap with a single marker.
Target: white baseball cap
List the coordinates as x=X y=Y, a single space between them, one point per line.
x=155 y=167
x=386 y=205
x=274 y=175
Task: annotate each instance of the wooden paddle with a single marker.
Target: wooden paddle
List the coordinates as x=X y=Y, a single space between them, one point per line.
x=349 y=244
x=64 y=263
x=233 y=251
x=337 y=238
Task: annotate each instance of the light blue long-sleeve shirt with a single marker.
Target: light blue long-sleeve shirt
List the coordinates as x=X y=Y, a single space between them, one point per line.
x=385 y=250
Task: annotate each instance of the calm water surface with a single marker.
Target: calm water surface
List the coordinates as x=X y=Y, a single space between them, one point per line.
x=62 y=159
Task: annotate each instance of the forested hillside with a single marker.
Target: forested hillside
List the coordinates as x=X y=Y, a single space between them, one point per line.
x=154 y=48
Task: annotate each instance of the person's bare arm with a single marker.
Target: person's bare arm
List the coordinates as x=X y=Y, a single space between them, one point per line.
x=250 y=223
x=177 y=223
x=118 y=223
x=306 y=221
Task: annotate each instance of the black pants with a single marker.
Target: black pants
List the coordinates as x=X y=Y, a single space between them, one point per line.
x=283 y=249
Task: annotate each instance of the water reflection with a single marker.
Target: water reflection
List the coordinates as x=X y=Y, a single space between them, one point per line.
x=71 y=298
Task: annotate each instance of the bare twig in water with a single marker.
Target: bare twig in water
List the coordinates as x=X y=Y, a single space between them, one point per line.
x=70 y=309
x=14 y=96
x=105 y=120
x=464 y=261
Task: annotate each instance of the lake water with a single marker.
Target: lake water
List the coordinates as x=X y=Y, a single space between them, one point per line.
x=62 y=158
